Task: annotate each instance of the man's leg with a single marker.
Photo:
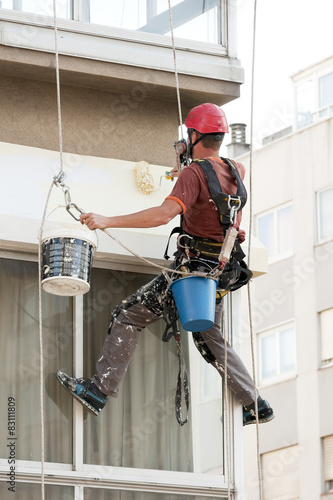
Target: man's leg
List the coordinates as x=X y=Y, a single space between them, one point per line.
x=211 y=342
x=211 y=345
x=120 y=345
x=127 y=321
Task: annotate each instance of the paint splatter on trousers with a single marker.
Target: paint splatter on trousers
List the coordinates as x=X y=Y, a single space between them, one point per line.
x=143 y=308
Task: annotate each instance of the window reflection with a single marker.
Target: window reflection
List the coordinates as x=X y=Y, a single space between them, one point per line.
x=197 y=20
x=19 y=360
x=139 y=428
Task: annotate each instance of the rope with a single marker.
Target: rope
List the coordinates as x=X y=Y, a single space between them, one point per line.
x=40 y=233
x=58 y=85
x=226 y=402
x=147 y=261
x=249 y=248
x=176 y=72
x=41 y=349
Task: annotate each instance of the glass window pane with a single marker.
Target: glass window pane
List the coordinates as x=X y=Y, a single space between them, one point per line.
x=103 y=494
x=326 y=214
x=326 y=337
x=144 y=431
x=205 y=26
x=6 y=4
x=268 y=356
x=305 y=104
x=285 y=229
x=139 y=428
x=267 y=233
x=121 y=14
x=212 y=382
x=63 y=7
x=325 y=90
x=28 y=491
x=287 y=350
x=199 y=20
x=19 y=359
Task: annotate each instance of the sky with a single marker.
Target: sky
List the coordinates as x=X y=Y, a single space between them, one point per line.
x=290 y=36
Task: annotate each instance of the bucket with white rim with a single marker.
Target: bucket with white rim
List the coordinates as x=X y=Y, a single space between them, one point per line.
x=67 y=252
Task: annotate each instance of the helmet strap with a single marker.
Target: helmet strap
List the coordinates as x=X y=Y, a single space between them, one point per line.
x=190 y=144
x=215 y=136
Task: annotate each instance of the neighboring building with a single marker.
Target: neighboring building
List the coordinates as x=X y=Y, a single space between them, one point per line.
x=119 y=106
x=293 y=302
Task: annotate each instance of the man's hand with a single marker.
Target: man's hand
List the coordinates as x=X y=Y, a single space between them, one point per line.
x=173 y=173
x=94 y=221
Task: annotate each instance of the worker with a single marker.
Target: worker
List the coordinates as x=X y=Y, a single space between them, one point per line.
x=202 y=234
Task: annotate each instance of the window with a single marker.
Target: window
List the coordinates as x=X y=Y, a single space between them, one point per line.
x=305 y=104
x=280 y=474
x=275 y=231
x=325 y=89
x=64 y=7
x=314 y=94
x=192 y=19
x=137 y=430
x=277 y=354
x=327 y=443
x=326 y=337
x=325 y=214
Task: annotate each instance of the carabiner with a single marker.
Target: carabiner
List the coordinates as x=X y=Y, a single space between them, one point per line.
x=68 y=208
x=67 y=195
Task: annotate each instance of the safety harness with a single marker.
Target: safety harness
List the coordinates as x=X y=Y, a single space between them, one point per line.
x=227 y=206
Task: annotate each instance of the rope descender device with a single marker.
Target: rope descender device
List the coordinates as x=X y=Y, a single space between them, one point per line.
x=181 y=154
x=234 y=204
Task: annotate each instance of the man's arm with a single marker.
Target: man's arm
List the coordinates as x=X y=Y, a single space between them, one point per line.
x=151 y=217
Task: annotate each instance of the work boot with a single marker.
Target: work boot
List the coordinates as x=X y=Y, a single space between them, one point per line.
x=265 y=412
x=85 y=391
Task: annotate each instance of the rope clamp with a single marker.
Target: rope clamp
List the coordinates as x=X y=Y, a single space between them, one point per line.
x=59 y=179
x=73 y=205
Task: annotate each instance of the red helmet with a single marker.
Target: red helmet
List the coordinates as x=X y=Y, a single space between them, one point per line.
x=207 y=118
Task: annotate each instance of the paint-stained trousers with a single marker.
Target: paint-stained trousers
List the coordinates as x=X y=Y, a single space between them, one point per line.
x=145 y=307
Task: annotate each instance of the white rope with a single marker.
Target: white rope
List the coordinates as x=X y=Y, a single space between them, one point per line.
x=58 y=85
x=226 y=401
x=41 y=349
x=158 y=266
x=40 y=233
x=176 y=71
x=249 y=249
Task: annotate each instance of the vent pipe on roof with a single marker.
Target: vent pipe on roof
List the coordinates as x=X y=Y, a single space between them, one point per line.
x=238 y=145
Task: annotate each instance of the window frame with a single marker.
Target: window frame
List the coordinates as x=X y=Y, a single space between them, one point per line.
x=279 y=377
x=80 y=475
x=77 y=25
x=314 y=75
x=279 y=255
x=318 y=221
x=327 y=362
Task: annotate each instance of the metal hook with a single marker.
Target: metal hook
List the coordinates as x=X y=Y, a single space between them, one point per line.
x=68 y=208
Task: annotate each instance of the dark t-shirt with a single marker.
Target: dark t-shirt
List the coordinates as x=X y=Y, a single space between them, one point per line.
x=199 y=210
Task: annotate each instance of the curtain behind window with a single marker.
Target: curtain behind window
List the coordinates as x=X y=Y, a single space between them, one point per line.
x=19 y=363
x=28 y=491
x=139 y=428
x=103 y=494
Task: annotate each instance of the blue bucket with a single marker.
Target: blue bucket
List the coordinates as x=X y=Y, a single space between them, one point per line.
x=195 y=298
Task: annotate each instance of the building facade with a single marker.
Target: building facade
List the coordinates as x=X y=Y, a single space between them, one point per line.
x=293 y=302
x=118 y=107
